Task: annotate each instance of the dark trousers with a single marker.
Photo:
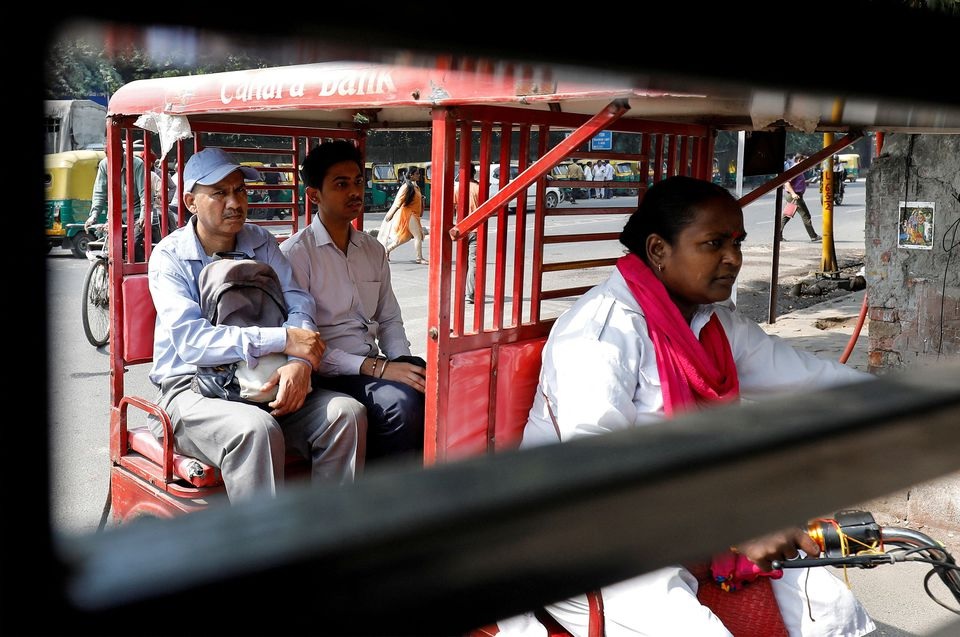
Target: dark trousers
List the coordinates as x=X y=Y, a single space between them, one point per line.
x=394 y=414
x=804 y=213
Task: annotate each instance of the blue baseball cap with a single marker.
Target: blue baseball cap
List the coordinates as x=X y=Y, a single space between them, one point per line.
x=211 y=165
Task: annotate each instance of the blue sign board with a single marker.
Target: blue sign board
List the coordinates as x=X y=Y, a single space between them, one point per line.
x=602 y=141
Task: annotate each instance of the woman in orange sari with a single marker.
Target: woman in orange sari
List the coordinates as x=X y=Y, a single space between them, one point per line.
x=405 y=212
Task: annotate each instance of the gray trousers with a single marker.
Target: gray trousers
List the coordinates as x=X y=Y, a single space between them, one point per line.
x=471 y=266
x=249 y=445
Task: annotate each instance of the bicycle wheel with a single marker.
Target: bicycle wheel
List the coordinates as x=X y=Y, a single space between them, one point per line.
x=96 y=304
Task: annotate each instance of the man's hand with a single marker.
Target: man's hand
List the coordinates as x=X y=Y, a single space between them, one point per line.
x=294 y=382
x=305 y=344
x=92 y=219
x=782 y=545
x=406 y=373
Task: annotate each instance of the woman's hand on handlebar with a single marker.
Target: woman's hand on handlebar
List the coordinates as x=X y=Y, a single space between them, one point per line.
x=781 y=545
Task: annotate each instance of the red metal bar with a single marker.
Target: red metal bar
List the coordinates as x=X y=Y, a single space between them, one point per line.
x=463 y=196
x=565 y=292
x=707 y=160
x=579 y=238
x=438 y=306
x=479 y=309
x=500 y=266
x=598 y=122
x=644 y=166
x=201 y=126
x=672 y=168
x=696 y=164
x=115 y=262
x=520 y=234
x=181 y=208
x=573 y=121
x=658 y=160
x=295 y=195
x=685 y=168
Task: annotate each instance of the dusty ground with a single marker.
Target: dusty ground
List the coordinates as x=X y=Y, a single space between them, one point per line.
x=799 y=285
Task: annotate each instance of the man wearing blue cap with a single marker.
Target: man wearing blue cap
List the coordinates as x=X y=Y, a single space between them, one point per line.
x=246 y=441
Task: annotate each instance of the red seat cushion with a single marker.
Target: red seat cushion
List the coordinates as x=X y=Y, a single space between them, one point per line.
x=197 y=473
x=139 y=318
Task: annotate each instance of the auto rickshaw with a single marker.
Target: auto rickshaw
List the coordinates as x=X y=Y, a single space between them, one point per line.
x=68 y=188
x=623 y=171
x=851 y=166
x=382 y=185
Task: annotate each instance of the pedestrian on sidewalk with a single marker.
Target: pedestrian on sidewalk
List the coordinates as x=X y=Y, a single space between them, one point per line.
x=405 y=214
x=473 y=202
x=795 y=189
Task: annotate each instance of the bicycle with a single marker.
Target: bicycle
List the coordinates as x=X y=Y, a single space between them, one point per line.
x=853 y=538
x=95 y=308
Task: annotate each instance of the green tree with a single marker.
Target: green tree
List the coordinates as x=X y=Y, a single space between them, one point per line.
x=76 y=68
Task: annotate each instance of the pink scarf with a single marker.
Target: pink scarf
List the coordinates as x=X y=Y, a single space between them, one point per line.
x=691 y=371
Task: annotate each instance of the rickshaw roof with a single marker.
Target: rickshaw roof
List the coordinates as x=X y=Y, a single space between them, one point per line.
x=394 y=96
x=70 y=158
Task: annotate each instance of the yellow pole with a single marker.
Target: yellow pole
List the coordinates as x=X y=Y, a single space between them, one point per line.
x=828 y=254
x=828 y=251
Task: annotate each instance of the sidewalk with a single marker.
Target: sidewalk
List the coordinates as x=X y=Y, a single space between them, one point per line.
x=825 y=329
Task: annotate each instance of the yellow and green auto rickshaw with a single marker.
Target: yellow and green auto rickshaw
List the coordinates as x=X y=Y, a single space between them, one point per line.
x=68 y=187
x=851 y=166
x=382 y=185
x=623 y=171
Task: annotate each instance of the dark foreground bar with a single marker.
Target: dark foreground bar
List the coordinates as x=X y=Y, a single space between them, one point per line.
x=443 y=550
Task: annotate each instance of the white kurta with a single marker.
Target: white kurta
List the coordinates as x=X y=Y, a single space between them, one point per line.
x=600 y=349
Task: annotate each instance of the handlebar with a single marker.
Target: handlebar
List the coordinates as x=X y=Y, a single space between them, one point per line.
x=853 y=538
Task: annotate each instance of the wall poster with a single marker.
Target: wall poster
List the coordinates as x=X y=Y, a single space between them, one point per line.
x=916 y=225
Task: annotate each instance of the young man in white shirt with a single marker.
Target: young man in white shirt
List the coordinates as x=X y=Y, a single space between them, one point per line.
x=347 y=273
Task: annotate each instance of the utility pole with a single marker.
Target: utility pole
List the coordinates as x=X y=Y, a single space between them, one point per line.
x=828 y=255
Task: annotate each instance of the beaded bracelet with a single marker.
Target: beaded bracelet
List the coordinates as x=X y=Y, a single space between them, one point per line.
x=373 y=372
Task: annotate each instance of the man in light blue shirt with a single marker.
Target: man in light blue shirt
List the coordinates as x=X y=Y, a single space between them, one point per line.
x=358 y=316
x=246 y=441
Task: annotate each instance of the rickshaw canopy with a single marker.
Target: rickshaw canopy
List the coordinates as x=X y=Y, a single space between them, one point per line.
x=355 y=93
x=70 y=175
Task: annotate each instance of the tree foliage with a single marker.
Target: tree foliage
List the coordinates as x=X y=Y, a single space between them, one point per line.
x=78 y=67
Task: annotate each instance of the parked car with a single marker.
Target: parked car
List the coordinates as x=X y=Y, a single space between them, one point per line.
x=552 y=194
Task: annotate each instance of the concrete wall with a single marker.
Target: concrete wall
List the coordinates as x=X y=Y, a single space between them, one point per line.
x=914 y=294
